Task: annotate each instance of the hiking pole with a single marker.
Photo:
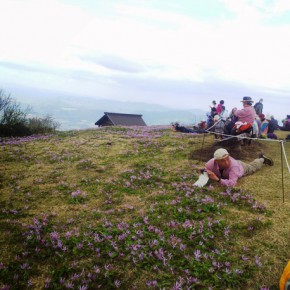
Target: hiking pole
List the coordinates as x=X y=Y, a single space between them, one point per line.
x=281 y=143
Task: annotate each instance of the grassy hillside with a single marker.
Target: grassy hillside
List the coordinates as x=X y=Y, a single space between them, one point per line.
x=115 y=208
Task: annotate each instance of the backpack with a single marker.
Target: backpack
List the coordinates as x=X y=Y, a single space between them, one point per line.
x=285 y=278
x=244 y=128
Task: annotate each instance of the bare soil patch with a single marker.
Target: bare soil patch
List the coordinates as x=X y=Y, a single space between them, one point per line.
x=238 y=151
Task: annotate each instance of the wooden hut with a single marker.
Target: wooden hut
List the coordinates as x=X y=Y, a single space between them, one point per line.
x=114 y=119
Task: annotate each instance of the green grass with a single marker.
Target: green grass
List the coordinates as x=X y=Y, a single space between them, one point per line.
x=115 y=208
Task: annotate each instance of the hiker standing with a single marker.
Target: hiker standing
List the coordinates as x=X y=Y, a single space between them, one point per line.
x=259 y=107
x=219 y=106
x=213 y=104
x=220 y=121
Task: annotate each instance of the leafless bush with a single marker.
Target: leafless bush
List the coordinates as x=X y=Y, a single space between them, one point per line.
x=42 y=125
x=14 y=120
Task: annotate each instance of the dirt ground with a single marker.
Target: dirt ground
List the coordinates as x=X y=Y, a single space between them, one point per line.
x=237 y=150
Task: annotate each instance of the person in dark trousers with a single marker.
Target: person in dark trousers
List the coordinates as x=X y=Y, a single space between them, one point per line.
x=286 y=124
x=230 y=123
x=210 y=117
x=273 y=125
x=177 y=128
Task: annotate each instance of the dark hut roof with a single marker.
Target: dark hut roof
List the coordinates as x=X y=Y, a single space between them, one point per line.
x=113 y=119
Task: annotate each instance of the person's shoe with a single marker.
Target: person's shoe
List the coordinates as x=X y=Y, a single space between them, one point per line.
x=267 y=160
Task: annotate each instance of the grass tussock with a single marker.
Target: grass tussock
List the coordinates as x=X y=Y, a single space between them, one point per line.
x=115 y=208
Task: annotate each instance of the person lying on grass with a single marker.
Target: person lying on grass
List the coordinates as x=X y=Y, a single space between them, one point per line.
x=177 y=128
x=226 y=170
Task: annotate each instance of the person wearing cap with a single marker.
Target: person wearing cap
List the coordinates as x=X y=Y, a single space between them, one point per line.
x=259 y=107
x=247 y=113
x=246 y=117
x=226 y=170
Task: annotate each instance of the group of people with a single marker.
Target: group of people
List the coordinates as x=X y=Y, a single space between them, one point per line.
x=217 y=112
x=223 y=168
x=250 y=119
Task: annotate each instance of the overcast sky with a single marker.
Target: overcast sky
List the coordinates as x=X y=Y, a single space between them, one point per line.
x=181 y=54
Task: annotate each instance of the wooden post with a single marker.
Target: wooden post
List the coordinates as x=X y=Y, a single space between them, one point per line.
x=283 y=194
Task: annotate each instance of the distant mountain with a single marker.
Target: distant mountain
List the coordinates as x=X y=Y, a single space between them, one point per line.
x=77 y=112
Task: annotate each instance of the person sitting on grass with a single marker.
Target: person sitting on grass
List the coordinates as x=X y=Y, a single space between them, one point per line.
x=226 y=170
x=246 y=117
x=230 y=123
x=210 y=118
x=286 y=124
x=273 y=125
x=264 y=126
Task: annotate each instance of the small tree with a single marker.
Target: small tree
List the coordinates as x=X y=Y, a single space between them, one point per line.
x=11 y=112
x=4 y=100
x=14 y=121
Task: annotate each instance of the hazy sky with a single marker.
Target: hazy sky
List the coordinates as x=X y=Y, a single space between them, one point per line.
x=181 y=54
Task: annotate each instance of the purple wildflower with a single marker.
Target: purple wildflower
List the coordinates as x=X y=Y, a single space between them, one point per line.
x=108 y=267
x=244 y=258
x=96 y=269
x=226 y=232
x=69 y=285
x=24 y=266
x=177 y=286
x=197 y=255
x=54 y=236
x=151 y=283
x=2 y=266
x=258 y=261
x=117 y=283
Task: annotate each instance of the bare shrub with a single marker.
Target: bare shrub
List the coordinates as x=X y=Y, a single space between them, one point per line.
x=14 y=120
